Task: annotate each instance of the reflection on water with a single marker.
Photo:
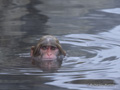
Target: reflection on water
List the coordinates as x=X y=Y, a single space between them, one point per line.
x=114 y=10
x=48 y=65
x=87 y=31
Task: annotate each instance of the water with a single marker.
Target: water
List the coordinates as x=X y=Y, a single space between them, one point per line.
x=89 y=31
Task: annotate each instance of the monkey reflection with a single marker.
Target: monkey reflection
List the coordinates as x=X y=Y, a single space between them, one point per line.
x=48 y=53
x=48 y=65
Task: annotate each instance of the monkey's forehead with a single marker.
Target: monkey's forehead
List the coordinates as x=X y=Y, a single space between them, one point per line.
x=49 y=41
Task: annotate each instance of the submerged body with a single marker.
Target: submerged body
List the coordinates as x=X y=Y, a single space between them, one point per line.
x=48 y=53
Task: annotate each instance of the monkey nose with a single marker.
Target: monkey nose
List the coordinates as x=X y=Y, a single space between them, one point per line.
x=49 y=54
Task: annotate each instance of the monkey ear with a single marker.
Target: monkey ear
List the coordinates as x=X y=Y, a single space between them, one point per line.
x=32 y=50
x=61 y=50
x=64 y=52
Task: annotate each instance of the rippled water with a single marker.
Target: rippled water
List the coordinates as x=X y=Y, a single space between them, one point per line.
x=100 y=61
x=89 y=31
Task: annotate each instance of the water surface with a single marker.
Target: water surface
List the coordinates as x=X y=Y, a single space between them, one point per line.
x=89 y=31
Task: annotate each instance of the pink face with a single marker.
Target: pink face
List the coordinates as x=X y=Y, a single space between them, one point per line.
x=49 y=52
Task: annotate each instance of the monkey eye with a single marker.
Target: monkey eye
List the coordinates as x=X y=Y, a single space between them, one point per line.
x=44 y=47
x=53 y=48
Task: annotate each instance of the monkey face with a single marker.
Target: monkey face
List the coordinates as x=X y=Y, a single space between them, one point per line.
x=49 y=52
x=45 y=44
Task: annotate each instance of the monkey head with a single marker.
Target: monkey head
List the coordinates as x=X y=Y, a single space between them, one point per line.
x=48 y=48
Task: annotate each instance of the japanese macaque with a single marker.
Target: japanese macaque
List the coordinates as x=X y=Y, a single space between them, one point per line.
x=48 y=53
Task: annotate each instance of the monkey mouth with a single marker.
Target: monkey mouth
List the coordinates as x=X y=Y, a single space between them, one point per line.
x=48 y=59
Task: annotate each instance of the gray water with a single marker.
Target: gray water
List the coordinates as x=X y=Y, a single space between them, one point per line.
x=89 y=31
